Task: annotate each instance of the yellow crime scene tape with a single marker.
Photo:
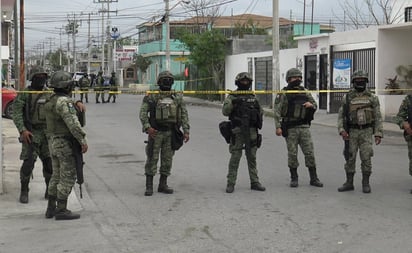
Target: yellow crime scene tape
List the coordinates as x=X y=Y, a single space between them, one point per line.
x=213 y=92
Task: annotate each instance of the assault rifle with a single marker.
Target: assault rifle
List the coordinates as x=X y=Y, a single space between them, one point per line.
x=78 y=156
x=29 y=126
x=346 y=152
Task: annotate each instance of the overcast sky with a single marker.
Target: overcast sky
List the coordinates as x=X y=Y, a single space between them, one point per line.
x=45 y=18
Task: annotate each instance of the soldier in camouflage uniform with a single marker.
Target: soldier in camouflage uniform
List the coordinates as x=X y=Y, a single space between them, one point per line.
x=84 y=84
x=293 y=113
x=246 y=117
x=98 y=88
x=160 y=114
x=30 y=121
x=63 y=130
x=113 y=88
x=404 y=120
x=359 y=119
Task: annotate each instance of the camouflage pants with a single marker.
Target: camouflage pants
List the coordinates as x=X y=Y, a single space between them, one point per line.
x=360 y=139
x=99 y=93
x=84 y=92
x=409 y=142
x=237 y=143
x=64 y=168
x=40 y=149
x=160 y=145
x=300 y=136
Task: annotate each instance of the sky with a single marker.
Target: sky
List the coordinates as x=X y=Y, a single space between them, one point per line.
x=45 y=19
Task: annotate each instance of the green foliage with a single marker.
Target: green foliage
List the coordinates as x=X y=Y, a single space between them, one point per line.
x=248 y=27
x=141 y=62
x=207 y=53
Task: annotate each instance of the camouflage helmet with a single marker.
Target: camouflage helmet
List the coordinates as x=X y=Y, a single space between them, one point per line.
x=165 y=74
x=360 y=74
x=241 y=76
x=293 y=72
x=61 y=80
x=37 y=70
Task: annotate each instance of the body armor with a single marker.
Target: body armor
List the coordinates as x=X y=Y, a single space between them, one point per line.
x=55 y=124
x=246 y=111
x=295 y=110
x=361 y=111
x=166 y=111
x=39 y=113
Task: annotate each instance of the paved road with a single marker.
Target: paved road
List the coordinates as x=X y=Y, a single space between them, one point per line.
x=200 y=216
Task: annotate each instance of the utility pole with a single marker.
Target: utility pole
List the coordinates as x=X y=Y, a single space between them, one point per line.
x=275 y=50
x=167 y=35
x=105 y=32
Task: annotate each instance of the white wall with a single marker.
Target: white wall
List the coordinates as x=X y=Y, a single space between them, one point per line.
x=394 y=49
x=235 y=64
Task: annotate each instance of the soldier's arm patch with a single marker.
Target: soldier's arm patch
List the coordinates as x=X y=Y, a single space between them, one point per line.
x=71 y=107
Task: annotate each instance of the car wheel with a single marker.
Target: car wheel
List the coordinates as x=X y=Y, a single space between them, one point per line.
x=8 y=111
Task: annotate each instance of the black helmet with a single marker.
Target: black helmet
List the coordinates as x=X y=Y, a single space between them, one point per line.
x=61 y=80
x=293 y=72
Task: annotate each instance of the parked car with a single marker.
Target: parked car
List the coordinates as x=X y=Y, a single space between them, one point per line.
x=8 y=95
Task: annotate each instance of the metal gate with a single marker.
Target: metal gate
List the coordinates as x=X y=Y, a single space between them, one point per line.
x=361 y=59
x=263 y=80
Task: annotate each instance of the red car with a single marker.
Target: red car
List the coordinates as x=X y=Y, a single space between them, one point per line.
x=7 y=95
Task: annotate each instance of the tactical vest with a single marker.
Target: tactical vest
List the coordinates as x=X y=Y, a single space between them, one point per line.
x=163 y=111
x=246 y=112
x=295 y=111
x=55 y=123
x=37 y=102
x=361 y=110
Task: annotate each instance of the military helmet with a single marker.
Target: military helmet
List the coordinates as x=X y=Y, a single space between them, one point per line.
x=293 y=72
x=61 y=80
x=36 y=71
x=165 y=74
x=360 y=74
x=241 y=76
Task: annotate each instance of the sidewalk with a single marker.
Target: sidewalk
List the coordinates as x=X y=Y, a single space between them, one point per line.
x=9 y=200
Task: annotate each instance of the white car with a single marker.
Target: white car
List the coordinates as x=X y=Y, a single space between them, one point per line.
x=78 y=75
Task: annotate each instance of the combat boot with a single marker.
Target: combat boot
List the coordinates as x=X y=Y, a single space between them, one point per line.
x=293 y=177
x=24 y=192
x=366 y=188
x=257 y=187
x=348 y=185
x=62 y=213
x=163 y=187
x=51 y=207
x=230 y=188
x=149 y=186
x=314 y=180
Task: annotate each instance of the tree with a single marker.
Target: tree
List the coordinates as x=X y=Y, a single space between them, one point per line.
x=369 y=12
x=207 y=53
x=142 y=64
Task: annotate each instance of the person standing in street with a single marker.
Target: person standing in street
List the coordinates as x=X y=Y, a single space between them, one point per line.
x=30 y=121
x=246 y=118
x=113 y=88
x=98 y=88
x=162 y=114
x=293 y=113
x=404 y=120
x=64 y=131
x=84 y=84
x=359 y=119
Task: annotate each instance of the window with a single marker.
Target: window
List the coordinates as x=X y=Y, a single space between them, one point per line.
x=130 y=73
x=408 y=14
